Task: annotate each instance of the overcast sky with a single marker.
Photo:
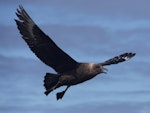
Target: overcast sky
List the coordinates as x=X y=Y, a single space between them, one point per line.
x=89 y=31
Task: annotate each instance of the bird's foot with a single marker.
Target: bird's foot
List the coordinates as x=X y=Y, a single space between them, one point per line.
x=60 y=95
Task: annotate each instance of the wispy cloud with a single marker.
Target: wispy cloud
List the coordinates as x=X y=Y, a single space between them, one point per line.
x=90 y=31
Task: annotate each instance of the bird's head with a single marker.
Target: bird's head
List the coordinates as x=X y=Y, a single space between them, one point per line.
x=98 y=68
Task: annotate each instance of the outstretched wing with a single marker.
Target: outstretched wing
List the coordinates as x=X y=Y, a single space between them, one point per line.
x=118 y=59
x=43 y=47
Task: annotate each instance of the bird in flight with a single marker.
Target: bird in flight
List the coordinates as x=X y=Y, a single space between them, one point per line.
x=69 y=72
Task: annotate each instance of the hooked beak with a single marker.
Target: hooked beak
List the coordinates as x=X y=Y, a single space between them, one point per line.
x=105 y=70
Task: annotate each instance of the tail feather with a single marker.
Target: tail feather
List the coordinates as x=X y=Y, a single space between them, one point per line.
x=118 y=59
x=50 y=80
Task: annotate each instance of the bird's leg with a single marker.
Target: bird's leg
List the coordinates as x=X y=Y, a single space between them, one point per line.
x=61 y=94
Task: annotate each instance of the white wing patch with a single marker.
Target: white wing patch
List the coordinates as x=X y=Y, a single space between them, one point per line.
x=127 y=58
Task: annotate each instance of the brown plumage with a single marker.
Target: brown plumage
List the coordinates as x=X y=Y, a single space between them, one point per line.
x=69 y=71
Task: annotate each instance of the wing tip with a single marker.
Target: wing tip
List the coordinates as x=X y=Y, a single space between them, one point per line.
x=19 y=9
x=121 y=58
x=129 y=55
x=23 y=15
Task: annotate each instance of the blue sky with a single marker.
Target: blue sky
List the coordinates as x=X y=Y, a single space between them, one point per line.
x=89 y=31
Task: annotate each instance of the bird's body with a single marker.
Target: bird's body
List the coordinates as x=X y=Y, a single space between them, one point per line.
x=69 y=71
x=82 y=73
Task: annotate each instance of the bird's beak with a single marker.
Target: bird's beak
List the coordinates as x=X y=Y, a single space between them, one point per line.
x=105 y=70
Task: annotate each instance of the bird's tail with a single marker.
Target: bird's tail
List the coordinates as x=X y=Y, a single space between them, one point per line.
x=50 y=81
x=118 y=59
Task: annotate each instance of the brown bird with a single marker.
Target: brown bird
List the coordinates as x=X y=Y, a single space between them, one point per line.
x=69 y=71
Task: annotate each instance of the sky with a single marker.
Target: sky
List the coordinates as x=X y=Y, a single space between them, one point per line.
x=89 y=31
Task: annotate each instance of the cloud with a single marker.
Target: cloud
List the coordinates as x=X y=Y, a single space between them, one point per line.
x=90 y=31
x=105 y=9
x=109 y=107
